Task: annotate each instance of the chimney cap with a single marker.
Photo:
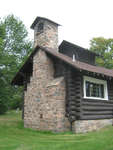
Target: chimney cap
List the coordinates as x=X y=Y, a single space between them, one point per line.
x=42 y=18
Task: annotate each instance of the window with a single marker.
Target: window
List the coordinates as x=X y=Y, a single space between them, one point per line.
x=95 y=88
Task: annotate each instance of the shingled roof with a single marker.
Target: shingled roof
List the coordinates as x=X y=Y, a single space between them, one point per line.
x=80 y=65
x=75 y=64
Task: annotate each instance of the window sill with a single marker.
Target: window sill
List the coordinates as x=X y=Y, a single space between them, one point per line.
x=94 y=98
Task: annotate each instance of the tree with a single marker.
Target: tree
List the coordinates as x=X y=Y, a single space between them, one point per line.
x=3 y=102
x=103 y=47
x=14 y=47
x=16 y=43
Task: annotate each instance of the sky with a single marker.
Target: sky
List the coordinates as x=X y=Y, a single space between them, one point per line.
x=80 y=20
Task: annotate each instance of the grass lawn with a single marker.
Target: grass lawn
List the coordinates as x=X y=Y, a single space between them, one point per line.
x=13 y=136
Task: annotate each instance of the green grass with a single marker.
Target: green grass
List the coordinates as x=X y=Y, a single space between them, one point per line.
x=13 y=136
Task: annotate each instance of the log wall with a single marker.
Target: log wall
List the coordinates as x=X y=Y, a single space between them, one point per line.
x=78 y=108
x=96 y=109
x=92 y=109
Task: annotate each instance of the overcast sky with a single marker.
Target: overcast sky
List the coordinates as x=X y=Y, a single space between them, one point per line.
x=81 y=20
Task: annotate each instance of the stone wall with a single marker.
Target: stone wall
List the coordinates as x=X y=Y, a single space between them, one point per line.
x=83 y=126
x=45 y=97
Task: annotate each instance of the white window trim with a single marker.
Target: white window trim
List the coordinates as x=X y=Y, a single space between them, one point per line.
x=90 y=79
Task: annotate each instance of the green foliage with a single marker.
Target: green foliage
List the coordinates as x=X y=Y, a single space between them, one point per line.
x=14 y=47
x=103 y=47
x=16 y=42
x=3 y=98
x=13 y=136
x=16 y=101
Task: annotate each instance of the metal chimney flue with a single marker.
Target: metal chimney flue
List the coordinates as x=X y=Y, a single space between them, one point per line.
x=74 y=58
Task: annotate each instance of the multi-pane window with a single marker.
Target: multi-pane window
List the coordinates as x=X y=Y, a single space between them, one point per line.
x=95 y=88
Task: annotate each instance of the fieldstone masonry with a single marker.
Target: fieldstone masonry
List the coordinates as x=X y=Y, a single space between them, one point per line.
x=45 y=97
x=49 y=36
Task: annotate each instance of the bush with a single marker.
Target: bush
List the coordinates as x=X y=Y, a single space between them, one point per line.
x=16 y=103
x=3 y=105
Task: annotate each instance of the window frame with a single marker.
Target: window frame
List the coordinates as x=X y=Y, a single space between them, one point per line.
x=98 y=81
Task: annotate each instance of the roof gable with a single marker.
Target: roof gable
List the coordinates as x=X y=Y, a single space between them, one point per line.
x=66 y=43
x=81 y=54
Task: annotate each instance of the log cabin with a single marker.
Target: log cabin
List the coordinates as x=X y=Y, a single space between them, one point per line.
x=64 y=89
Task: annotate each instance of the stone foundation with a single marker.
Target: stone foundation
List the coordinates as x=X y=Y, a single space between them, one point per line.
x=83 y=126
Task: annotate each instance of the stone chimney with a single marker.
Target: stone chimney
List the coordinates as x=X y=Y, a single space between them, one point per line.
x=45 y=33
x=44 y=99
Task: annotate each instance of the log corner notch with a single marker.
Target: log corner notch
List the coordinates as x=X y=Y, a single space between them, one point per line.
x=70 y=95
x=73 y=80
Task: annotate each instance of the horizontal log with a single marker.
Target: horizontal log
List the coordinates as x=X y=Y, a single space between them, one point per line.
x=71 y=95
x=98 y=101
x=96 y=108
x=72 y=107
x=78 y=114
x=72 y=112
x=77 y=87
x=78 y=104
x=71 y=90
x=78 y=109
x=89 y=117
x=77 y=80
x=78 y=94
x=77 y=91
x=71 y=99
x=70 y=86
x=97 y=112
x=77 y=84
x=97 y=104
x=78 y=100
x=78 y=97
x=72 y=103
